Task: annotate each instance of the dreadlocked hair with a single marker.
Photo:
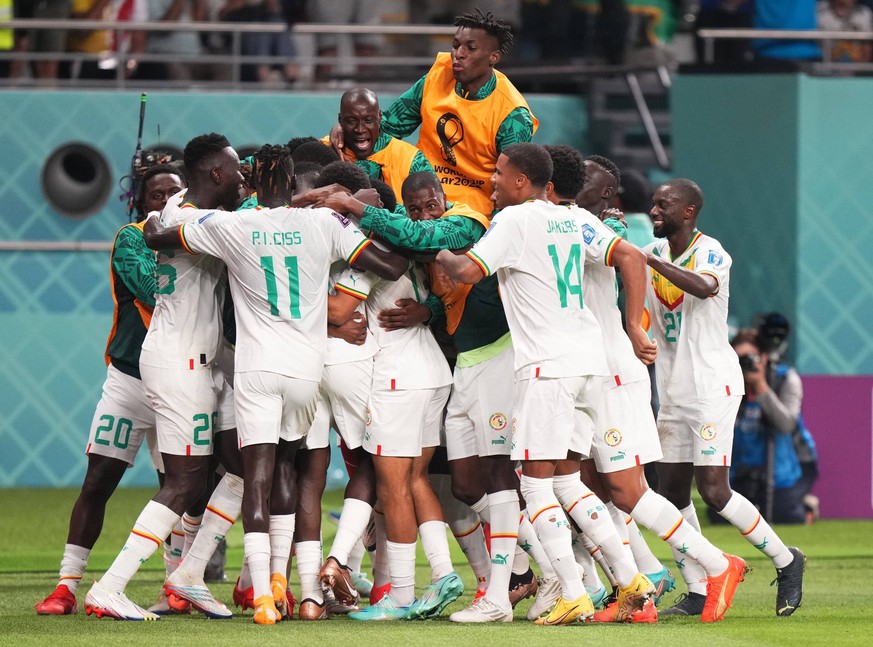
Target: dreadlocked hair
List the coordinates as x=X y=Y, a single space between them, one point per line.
x=273 y=170
x=485 y=20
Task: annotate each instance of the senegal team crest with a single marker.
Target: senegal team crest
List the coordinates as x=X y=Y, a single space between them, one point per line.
x=612 y=437
x=667 y=293
x=708 y=432
x=498 y=422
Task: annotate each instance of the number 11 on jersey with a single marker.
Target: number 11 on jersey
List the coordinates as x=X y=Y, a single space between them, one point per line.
x=272 y=285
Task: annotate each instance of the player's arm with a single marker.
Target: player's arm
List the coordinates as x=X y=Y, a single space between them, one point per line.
x=516 y=128
x=341 y=306
x=135 y=264
x=410 y=312
x=354 y=331
x=632 y=264
x=404 y=115
x=384 y=264
x=460 y=267
x=420 y=163
x=689 y=281
x=159 y=237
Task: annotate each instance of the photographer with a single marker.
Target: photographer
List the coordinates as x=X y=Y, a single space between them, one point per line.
x=770 y=412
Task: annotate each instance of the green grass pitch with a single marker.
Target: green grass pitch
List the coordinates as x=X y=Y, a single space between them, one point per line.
x=837 y=605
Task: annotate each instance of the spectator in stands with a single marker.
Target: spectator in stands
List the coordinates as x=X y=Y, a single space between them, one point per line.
x=847 y=15
x=264 y=44
x=94 y=43
x=177 y=43
x=344 y=46
x=43 y=40
x=779 y=14
x=770 y=415
x=724 y=14
x=7 y=39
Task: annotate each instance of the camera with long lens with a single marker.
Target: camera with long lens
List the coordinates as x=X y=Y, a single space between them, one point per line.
x=749 y=363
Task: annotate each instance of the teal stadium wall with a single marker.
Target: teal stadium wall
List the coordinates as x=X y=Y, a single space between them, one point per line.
x=783 y=161
x=55 y=307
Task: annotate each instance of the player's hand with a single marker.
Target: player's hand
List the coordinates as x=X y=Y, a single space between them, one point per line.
x=354 y=331
x=612 y=212
x=336 y=139
x=370 y=197
x=315 y=196
x=644 y=348
x=340 y=202
x=408 y=313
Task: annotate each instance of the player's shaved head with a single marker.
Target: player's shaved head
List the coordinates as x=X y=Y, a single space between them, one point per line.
x=688 y=191
x=359 y=96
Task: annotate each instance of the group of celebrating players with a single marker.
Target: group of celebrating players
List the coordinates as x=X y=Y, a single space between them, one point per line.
x=479 y=314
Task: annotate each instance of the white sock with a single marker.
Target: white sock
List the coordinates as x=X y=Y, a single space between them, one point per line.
x=592 y=516
x=245 y=577
x=309 y=558
x=221 y=512
x=481 y=508
x=281 y=540
x=646 y=562
x=661 y=517
x=151 y=528
x=257 y=552
x=436 y=548
x=356 y=557
x=173 y=547
x=190 y=525
x=352 y=523
x=466 y=526
x=73 y=565
x=505 y=512
x=590 y=578
x=692 y=572
x=553 y=530
x=521 y=560
x=745 y=517
x=401 y=564
x=597 y=556
x=530 y=543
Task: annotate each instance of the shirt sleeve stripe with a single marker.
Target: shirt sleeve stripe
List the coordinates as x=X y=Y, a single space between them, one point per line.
x=360 y=248
x=717 y=281
x=354 y=293
x=482 y=264
x=184 y=241
x=610 y=249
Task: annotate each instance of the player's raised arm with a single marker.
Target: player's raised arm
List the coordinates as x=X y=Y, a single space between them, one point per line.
x=689 y=281
x=159 y=237
x=387 y=265
x=460 y=268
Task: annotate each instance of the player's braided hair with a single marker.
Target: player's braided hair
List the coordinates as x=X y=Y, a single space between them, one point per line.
x=607 y=165
x=485 y=20
x=273 y=171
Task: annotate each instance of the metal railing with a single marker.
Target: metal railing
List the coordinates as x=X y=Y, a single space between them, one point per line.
x=825 y=38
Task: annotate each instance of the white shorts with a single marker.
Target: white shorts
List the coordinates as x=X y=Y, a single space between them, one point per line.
x=123 y=418
x=480 y=408
x=190 y=406
x=701 y=433
x=270 y=406
x=554 y=416
x=626 y=431
x=400 y=423
x=342 y=398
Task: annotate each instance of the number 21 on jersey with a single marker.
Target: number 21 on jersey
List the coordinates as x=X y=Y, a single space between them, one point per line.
x=290 y=263
x=672 y=326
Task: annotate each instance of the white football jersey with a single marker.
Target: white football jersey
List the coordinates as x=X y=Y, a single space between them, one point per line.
x=539 y=251
x=695 y=359
x=600 y=292
x=409 y=358
x=186 y=329
x=340 y=351
x=278 y=261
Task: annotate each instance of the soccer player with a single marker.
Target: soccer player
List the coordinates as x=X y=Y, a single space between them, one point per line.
x=626 y=437
x=181 y=378
x=539 y=251
x=700 y=385
x=468 y=112
x=278 y=263
x=381 y=156
x=124 y=416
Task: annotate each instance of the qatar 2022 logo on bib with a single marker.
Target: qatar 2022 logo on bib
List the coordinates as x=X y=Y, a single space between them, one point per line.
x=451 y=133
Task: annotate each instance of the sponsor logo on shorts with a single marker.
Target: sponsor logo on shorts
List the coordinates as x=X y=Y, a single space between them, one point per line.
x=499 y=441
x=712 y=451
x=612 y=437
x=708 y=432
x=369 y=417
x=620 y=456
x=498 y=422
